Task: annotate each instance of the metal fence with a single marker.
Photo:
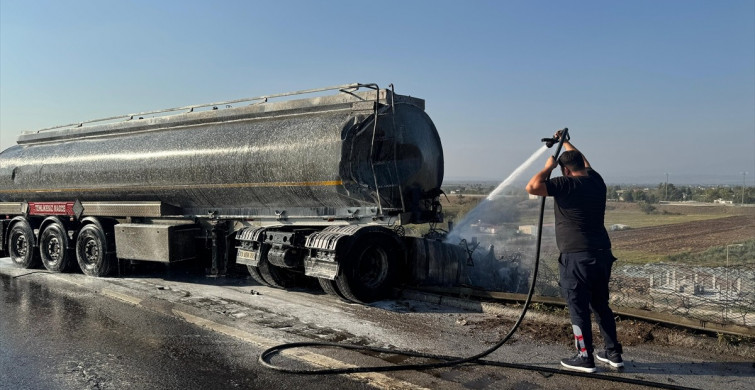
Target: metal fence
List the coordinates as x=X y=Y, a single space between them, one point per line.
x=721 y=295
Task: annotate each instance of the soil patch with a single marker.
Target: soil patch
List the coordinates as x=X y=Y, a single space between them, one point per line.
x=695 y=236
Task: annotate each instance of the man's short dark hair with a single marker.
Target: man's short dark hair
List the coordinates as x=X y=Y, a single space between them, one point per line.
x=572 y=159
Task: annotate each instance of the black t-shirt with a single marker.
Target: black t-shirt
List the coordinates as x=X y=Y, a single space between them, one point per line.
x=580 y=207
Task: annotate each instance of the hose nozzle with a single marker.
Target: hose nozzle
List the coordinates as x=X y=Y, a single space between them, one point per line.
x=549 y=142
x=556 y=138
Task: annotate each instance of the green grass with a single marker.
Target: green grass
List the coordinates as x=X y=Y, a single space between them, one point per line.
x=626 y=214
x=629 y=214
x=638 y=219
x=716 y=256
x=636 y=257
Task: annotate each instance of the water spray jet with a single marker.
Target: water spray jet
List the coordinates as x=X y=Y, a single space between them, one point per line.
x=491 y=225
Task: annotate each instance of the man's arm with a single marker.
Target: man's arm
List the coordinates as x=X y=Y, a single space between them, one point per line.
x=568 y=146
x=536 y=185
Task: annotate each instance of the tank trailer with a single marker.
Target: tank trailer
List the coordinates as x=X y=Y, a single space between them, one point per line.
x=316 y=187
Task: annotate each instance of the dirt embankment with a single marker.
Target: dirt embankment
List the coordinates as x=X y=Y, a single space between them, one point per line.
x=556 y=328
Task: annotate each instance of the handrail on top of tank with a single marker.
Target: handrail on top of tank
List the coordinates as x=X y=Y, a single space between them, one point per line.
x=342 y=88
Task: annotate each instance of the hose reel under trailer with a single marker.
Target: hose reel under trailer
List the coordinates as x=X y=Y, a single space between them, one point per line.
x=356 y=263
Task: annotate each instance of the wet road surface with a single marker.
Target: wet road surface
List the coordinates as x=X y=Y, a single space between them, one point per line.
x=166 y=330
x=78 y=340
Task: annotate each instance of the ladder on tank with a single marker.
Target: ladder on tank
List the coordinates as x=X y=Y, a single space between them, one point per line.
x=387 y=166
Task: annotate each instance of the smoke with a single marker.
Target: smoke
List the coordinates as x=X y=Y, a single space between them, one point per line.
x=500 y=233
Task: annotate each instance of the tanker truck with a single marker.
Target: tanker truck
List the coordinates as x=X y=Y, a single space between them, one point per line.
x=292 y=187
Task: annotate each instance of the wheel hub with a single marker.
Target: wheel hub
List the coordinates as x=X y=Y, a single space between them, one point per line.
x=53 y=249
x=21 y=246
x=373 y=267
x=91 y=251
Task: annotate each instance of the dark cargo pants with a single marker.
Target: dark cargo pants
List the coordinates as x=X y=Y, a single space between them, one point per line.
x=584 y=280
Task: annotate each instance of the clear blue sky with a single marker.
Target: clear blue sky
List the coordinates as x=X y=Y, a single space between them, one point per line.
x=646 y=87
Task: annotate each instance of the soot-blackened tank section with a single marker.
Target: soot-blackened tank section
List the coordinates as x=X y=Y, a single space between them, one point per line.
x=312 y=156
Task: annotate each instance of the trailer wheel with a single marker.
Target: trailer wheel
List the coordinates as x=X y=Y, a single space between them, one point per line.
x=92 y=252
x=331 y=288
x=54 y=249
x=368 y=271
x=21 y=245
x=276 y=276
x=271 y=275
x=255 y=273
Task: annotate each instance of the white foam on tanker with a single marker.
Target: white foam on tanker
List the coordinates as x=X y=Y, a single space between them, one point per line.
x=495 y=222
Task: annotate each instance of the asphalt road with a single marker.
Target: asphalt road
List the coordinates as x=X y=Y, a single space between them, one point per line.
x=77 y=340
x=158 y=330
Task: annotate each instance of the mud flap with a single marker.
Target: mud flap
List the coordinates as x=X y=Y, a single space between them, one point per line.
x=322 y=269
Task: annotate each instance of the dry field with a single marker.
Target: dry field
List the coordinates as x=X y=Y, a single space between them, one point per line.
x=695 y=236
x=713 y=226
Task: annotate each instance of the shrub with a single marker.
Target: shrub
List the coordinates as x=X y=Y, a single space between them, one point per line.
x=647 y=208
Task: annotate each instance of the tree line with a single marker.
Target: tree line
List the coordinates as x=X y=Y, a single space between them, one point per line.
x=672 y=193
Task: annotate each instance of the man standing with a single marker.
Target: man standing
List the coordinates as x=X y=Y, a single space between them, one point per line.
x=586 y=259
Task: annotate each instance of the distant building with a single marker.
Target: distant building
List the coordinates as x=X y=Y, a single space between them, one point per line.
x=489 y=229
x=532 y=229
x=485 y=227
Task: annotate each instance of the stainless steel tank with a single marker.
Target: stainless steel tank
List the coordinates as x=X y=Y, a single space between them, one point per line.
x=310 y=157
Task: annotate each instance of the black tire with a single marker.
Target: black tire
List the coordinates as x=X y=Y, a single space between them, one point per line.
x=368 y=271
x=331 y=288
x=93 y=252
x=271 y=275
x=21 y=246
x=54 y=249
x=255 y=273
x=276 y=276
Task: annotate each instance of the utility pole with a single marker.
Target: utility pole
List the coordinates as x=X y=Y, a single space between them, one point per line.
x=743 y=187
x=665 y=189
x=728 y=284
